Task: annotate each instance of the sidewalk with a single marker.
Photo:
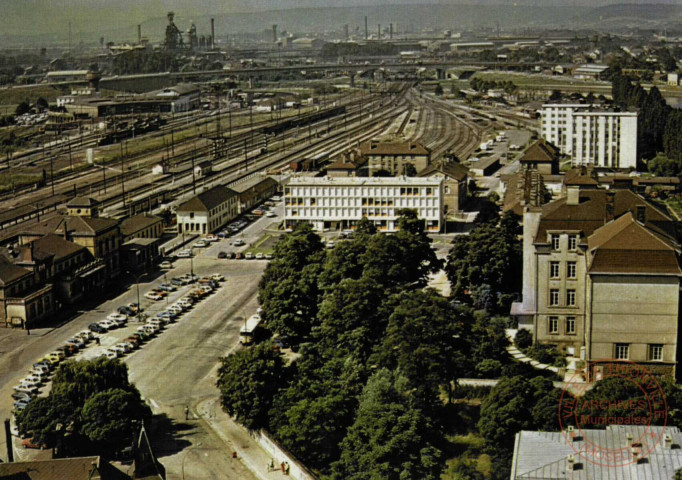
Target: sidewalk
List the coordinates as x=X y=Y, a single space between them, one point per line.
x=238 y=439
x=518 y=355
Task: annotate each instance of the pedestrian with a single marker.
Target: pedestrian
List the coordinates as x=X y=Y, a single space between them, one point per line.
x=97 y=340
x=286 y=468
x=271 y=466
x=187 y=413
x=281 y=466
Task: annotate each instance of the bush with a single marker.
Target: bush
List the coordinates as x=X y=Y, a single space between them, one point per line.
x=489 y=368
x=547 y=354
x=524 y=339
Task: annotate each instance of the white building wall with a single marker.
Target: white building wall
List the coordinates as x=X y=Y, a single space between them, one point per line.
x=598 y=137
x=348 y=200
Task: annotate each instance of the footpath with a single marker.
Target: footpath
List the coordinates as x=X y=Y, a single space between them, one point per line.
x=260 y=455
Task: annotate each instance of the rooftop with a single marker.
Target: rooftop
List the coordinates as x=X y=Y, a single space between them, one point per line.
x=83 y=468
x=357 y=181
x=207 y=200
x=134 y=224
x=451 y=169
x=374 y=147
x=83 y=202
x=10 y=272
x=540 y=152
x=545 y=455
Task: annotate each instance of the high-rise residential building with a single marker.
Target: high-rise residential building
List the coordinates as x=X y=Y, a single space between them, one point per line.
x=591 y=134
x=340 y=202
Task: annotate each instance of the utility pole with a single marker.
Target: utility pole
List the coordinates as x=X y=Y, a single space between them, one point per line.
x=123 y=188
x=51 y=174
x=194 y=181
x=70 y=158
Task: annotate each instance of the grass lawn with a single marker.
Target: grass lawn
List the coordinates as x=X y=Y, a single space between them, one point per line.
x=6 y=180
x=265 y=244
x=526 y=80
x=17 y=94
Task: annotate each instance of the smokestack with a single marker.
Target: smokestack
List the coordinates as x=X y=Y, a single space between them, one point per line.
x=379 y=32
x=274 y=34
x=366 y=31
x=139 y=33
x=390 y=35
x=345 y=32
x=212 y=33
x=8 y=442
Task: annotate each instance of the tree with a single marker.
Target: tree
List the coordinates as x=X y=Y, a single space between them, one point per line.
x=424 y=342
x=112 y=418
x=41 y=103
x=524 y=338
x=439 y=90
x=389 y=439
x=491 y=255
x=248 y=380
x=22 y=108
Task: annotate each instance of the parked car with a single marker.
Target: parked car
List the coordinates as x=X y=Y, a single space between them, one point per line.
x=116 y=351
x=200 y=244
x=222 y=235
x=222 y=254
x=176 y=309
x=127 y=347
x=43 y=376
x=248 y=256
x=109 y=355
x=125 y=310
x=156 y=296
x=85 y=335
x=108 y=324
x=268 y=256
x=184 y=254
x=77 y=342
x=59 y=354
x=117 y=317
x=150 y=328
x=239 y=242
x=186 y=302
x=271 y=214
x=166 y=265
x=134 y=342
x=218 y=277
x=31 y=380
x=206 y=288
x=211 y=238
x=167 y=287
x=97 y=328
x=260 y=256
x=179 y=282
x=31 y=443
x=19 y=405
x=25 y=388
x=22 y=396
x=41 y=367
x=68 y=350
x=190 y=278
x=168 y=316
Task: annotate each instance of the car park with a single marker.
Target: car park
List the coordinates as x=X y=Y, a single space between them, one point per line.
x=97 y=328
x=19 y=405
x=68 y=350
x=151 y=328
x=178 y=282
x=43 y=365
x=206 y=288
x=222 y=254
x=248 y=256
x=268 y=256
x=126 y=346
x=186 y=302
x=42 y=376
x=190 y=278
x=176 y=309
x=141 y=335
x=167 y=316
x=31 y=380
x=125 y=310
x=165 y=265
x=116 y=351
x=134 y=342
x=156 y=321
x=25 y=388
x=85 y=335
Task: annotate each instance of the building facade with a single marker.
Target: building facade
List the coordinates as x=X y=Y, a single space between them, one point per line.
x=601 y=278
x=24 y=302
x=340 y=202
x=208 y=211
x=395 y=158
x=143 y=225
x=591 y=135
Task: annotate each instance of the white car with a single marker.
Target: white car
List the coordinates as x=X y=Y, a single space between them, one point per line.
x=153 y=296
x=218 y=277
x=200 y=244
x=176 y=309
x=184 y=254
x=271 y=214
x=31 y=380
x=86 y=334
x=43 y=376
x=185 y=302
x=166 y=265
x=156 y=322
x=211 y=238
x=109 y=354
x=206 y=288
x=117 y=316
x=125 y=346
x=116 y=351
x=239 y=242
x=150 y=328
x=23 y=387
x=259 y=256
x=108 y=324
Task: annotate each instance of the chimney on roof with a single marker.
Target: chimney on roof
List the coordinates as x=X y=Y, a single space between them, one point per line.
x=366 y=31
x=668 y=441
x=641 y=214
x=572 y=195
x=572 y=464
x=212 y=33
x=609 y=206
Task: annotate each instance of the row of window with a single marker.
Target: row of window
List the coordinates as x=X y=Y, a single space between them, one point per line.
x=553 y=325
x=554 y=298
x=555 y=270
x=556 y=241
x=358 y=191
x=621 y=351
x=345 y=213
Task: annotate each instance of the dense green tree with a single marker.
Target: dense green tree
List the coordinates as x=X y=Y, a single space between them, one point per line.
x=111 y=418
x=524 y=338
x=22 y=108
x=424 y=341
x=42 y=416
x=490 y=255
x=79 y=380
x=389 y=439
x=439 y=90
x=41 y=103
x=247 y=381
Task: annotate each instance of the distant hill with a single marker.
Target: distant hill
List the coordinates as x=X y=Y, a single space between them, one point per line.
x=116 y=20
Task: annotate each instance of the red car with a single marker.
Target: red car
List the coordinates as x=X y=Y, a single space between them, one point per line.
x=30 y=443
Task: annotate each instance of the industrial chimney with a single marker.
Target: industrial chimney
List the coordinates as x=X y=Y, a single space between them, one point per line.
x=139 y=34
x=390 y=31
x=379 y=32
x=274 y=34
x=366 y=31
x=212 y=33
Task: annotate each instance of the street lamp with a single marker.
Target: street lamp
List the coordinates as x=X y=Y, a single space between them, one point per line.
x=137 y=285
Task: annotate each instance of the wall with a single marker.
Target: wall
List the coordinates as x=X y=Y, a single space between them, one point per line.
x=296 y=470
x=638 y=310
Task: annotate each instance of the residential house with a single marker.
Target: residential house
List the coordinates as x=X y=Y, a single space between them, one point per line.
x=144 y=225
x=208 y=211
x=455 y=178
x=541 y=156
x=601 y=278
x=70 y=267
x=24 y=302
x=394 y=157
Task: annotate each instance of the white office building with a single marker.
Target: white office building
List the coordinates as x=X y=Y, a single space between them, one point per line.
x=338 y=203
x=592 y=135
